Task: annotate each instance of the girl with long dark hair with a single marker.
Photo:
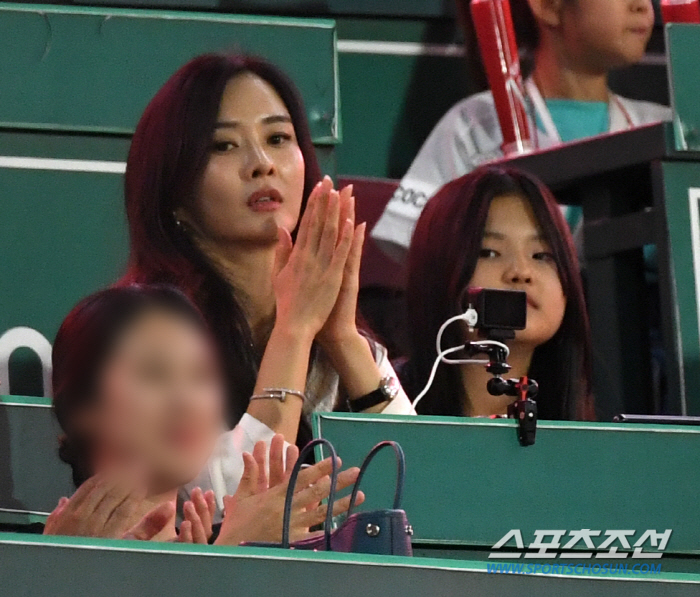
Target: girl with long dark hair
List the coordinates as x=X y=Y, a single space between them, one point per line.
x=139 y=395
x=498 y=228
x=224 y=200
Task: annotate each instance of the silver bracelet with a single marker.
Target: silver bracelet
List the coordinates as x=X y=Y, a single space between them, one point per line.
x=278 y=394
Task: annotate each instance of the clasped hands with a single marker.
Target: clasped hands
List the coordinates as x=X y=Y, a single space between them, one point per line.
x=316 y=278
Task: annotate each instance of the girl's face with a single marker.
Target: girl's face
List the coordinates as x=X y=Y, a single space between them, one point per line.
x=159 y=403
x=515 y=256
x=604 y=34
x=254 y=180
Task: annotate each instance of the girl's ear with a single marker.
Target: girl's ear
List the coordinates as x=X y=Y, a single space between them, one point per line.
x=547 y=12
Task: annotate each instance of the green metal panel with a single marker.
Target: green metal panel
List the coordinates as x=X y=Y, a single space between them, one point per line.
x=469 y=481
x=32 y=478
x=39 y=566
x=384 y=130
x=405 y=8
x=682 y=197
x=96 y=69
x=62 y=232
x=684 y=83
x=394 y=91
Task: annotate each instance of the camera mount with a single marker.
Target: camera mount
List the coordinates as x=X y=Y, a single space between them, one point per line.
x=523 y=390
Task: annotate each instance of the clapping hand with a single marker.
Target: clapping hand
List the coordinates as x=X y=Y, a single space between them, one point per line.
x=256 y=511
x=109 y=506
x=198 y=514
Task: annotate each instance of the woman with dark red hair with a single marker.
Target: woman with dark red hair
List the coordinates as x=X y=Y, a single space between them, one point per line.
x=498 y=228
x=224 y=200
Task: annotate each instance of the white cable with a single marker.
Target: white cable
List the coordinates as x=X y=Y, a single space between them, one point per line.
x=469 y=361
x=441 y=354
x=433 y=372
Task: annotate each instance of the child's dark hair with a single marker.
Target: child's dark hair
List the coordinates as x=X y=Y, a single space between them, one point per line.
x=84 y=344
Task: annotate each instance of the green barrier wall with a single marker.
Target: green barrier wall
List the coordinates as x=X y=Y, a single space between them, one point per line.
x=469 y=482
x=100 y=67
x=32 y=478
x=118 y=568
x=682 y=195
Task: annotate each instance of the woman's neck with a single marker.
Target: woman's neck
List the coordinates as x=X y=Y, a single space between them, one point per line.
x=248 y=269
x=477 y=401
x=558 y=77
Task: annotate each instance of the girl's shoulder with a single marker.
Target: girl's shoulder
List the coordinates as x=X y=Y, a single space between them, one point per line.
x=642 y=112
x=478 y=110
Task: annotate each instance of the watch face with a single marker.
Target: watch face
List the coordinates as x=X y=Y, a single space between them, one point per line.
x=390 y=387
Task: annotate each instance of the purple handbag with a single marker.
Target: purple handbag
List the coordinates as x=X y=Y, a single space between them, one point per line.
x=382 y=532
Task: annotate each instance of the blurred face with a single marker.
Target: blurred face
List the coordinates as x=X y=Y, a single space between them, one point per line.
x=515 y=256
x=254 y=180
x=605 y=34
x=160 y=401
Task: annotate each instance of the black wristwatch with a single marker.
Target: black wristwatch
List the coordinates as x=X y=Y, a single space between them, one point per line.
x=386 y=392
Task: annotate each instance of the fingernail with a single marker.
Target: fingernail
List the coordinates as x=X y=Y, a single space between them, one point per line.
x=351 y=187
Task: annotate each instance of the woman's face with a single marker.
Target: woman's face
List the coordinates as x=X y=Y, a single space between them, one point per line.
x=254 y=180
x=515 y=256
x=160 y=400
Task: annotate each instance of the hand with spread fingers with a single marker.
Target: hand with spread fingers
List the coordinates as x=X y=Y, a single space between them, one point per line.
x=198 y=513
x=256 y=511
x=109 y=506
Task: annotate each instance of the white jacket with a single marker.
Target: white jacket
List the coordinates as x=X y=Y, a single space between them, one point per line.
x=467 y=136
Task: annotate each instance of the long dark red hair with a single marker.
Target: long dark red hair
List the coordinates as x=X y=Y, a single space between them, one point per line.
x=442 y=259
x=168 y=155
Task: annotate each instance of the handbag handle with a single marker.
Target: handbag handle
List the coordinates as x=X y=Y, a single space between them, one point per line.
x=292 y=484
x=400 y=473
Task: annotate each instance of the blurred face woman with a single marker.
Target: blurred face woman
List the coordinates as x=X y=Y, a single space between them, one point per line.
x=498 y=228
x=138 y=393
